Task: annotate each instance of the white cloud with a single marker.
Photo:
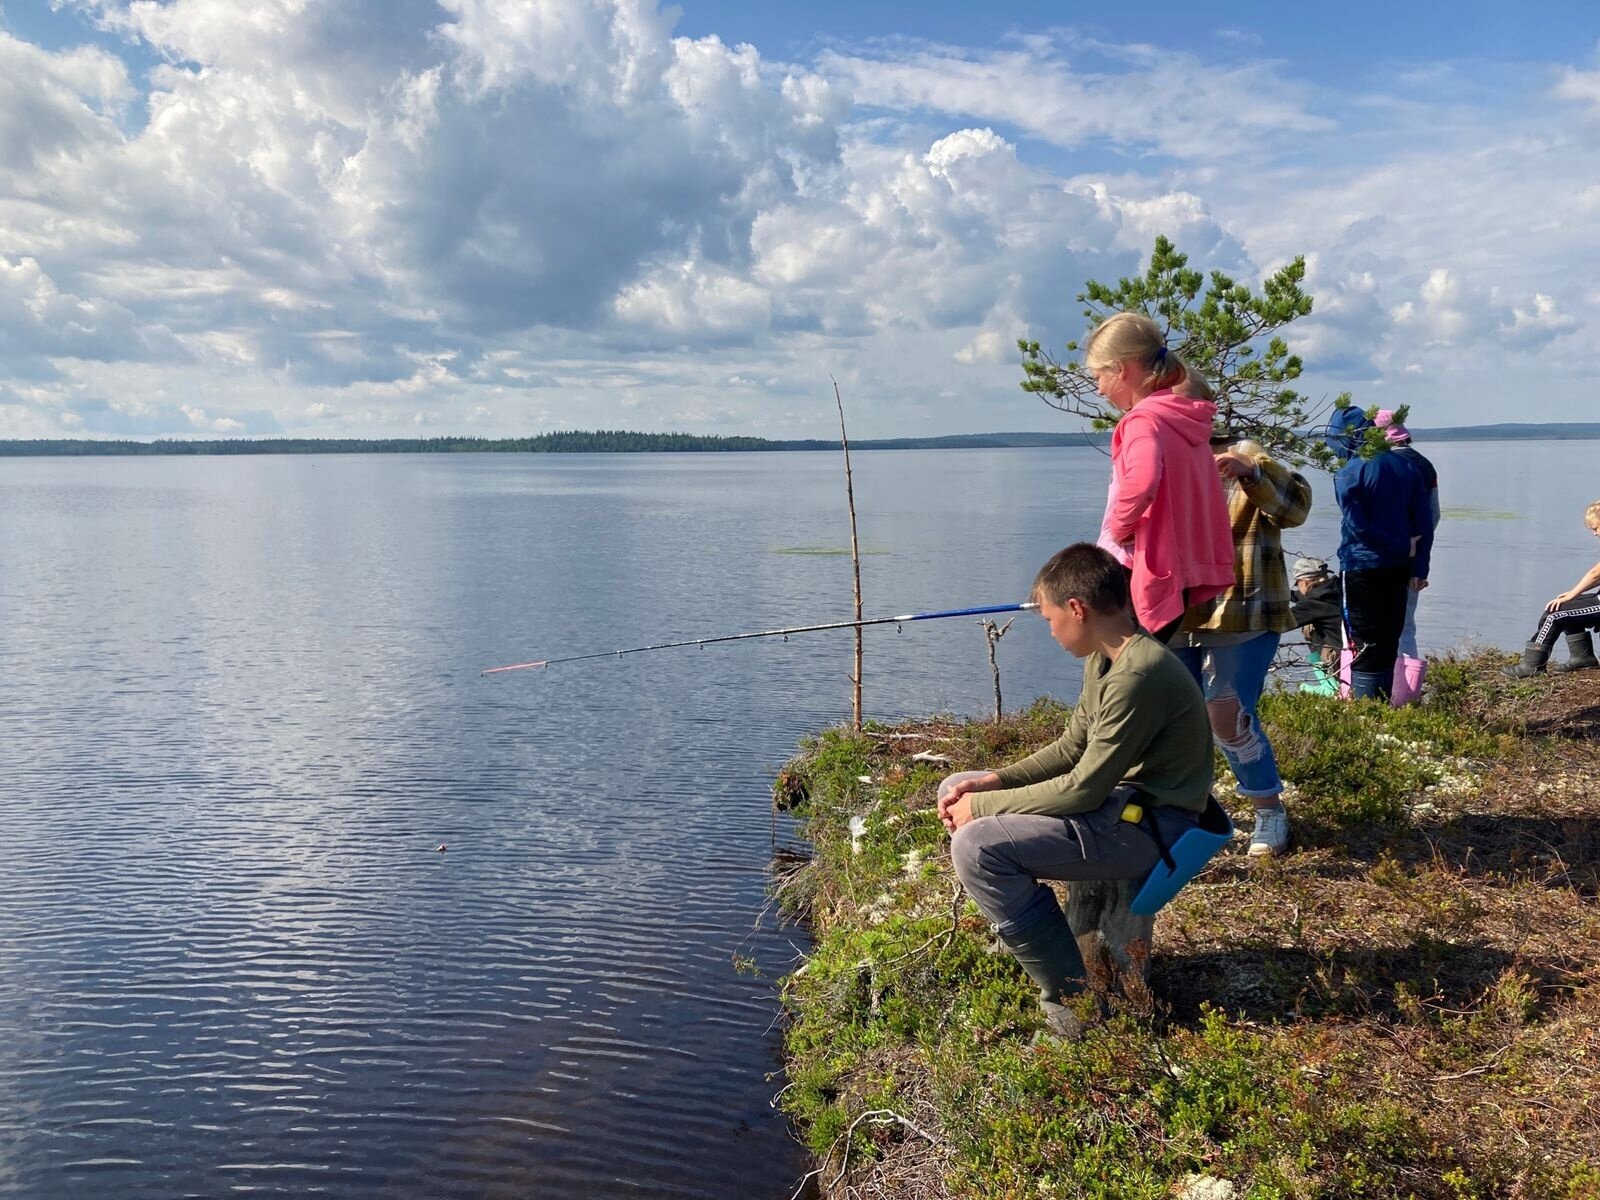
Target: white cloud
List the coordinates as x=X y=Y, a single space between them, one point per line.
x=1437 y=314
x=1582 y=87
x=1070 y=91
x=683 y=301
x=368 y=215
x=990 y=346
x=1539 y=321
x=199 y=420
x=39 y=321
x=1241 y=37
x=53 y=105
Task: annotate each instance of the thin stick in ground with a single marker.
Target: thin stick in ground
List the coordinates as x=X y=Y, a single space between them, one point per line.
x=994 y=633
x=855 y=560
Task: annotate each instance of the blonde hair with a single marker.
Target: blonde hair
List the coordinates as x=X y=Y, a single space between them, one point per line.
x=1134 y=338
x=1591 y=515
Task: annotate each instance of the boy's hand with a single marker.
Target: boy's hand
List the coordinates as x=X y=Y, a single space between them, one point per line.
x=955 y=813
x=955 y=810
x=1559 y=601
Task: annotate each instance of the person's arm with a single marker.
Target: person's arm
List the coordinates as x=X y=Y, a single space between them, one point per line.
x=1420 y=513
x=1346 y=486
x=1059 y=757
x=1312 y=608
x=960 y=804
x=1140 y=463
x=1119 y=737
x=1282 y=495
x=1591 y=578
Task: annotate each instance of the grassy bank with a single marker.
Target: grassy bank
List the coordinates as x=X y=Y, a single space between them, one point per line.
x=1408 y=1005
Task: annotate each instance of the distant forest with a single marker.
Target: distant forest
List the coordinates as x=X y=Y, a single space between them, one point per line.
x=619 y=441
x=603 y=441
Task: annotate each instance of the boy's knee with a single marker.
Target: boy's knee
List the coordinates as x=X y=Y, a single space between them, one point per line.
x=967 y=846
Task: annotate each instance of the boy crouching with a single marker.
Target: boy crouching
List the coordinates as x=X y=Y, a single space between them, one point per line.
x=1138 y=735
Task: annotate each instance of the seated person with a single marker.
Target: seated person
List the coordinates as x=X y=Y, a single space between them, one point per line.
x=1574 y=613
x=1139 y=735
x=1316 y=607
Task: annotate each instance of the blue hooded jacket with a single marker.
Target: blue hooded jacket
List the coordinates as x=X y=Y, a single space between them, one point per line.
x=1344 y=431
x=1384 y=502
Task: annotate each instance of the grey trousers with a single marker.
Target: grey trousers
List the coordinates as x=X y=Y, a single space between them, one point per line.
x=1001 y=859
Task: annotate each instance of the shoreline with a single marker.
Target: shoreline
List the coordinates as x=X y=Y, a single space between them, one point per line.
x=1407 y=1004
x=629 y=442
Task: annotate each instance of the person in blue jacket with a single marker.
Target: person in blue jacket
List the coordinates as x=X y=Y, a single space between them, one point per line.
x=1386 y=539
x=1412 y=668
x=1346 y=425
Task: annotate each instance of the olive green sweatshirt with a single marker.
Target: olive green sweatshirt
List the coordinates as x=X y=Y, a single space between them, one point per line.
x=1140 y=720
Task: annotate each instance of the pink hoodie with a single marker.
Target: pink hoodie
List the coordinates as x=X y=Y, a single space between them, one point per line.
x=1167 y=500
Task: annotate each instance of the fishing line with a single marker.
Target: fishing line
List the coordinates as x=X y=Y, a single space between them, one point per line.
x=903 y=619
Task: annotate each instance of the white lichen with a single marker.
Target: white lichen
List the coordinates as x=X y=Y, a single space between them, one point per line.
x=1204 y=1187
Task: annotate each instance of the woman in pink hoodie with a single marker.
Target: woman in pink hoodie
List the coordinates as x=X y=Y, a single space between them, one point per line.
x=1166 y=515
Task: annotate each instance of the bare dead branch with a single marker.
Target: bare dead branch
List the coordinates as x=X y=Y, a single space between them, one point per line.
x=994 y=633
x=855 y=560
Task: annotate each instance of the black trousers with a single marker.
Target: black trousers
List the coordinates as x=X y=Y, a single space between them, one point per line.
x=1375 y=607
x=1166 y=632
x=1575 y=616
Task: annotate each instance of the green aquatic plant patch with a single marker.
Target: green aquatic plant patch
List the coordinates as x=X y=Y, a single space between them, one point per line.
x=824 y=551
x=1466 y=512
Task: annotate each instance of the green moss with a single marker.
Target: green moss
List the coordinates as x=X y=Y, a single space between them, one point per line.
x=1360 y=765
x=907 y=1003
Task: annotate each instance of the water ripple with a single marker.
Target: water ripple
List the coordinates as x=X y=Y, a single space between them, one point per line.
x=297 y=903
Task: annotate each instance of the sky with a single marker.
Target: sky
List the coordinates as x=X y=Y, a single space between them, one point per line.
x=415 y=218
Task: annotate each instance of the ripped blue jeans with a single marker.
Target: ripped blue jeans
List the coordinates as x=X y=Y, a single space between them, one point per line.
x=1228 y=674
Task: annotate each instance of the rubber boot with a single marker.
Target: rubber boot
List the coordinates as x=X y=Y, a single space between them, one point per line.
x=1580 y=655
x=1399 y=689
x=1534 y=657
x=1048 y=952
x=1409 y=673
x=1370 y=685
x=1326 y=684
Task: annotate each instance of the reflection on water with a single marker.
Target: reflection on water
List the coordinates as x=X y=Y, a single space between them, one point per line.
x=244 y=714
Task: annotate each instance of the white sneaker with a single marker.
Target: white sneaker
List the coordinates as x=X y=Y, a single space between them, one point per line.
x=1272 y=833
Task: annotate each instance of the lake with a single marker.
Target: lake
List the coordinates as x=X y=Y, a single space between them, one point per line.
x=296 y=902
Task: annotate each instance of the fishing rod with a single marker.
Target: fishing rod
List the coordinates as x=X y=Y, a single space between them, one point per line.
x=739 y=637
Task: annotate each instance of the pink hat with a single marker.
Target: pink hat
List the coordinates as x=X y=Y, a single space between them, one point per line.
x=1392 y=430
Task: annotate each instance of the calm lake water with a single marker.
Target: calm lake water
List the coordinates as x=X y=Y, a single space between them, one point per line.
x=243 y=712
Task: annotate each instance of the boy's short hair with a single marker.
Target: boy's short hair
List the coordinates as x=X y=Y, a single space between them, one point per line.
x=1591 y=515
x=1086 y=573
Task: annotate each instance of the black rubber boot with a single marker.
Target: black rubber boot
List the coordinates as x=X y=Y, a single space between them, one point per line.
x=1048 y=952
x=1580 y=655
x=1534 y=657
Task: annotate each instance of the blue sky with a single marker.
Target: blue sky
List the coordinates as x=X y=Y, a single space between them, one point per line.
x=385 y=217
x=1325 y=41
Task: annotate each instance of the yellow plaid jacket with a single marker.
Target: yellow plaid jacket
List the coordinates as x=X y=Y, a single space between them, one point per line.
x=1259 y=598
